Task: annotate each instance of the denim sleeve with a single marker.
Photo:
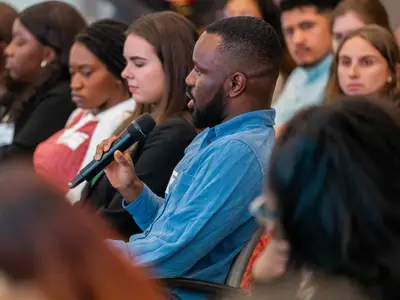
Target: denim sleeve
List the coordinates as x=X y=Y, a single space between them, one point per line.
x=145 y=208
x=213 y=207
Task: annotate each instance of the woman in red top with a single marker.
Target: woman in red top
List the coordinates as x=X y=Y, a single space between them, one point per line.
x=103 y=101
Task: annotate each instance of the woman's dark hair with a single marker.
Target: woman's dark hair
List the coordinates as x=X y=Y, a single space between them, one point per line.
x=8 y=15
x=58 y=248
x=335 y=174
x=105 y=39
x=54 y=24
x=174 y=48
x=383 y=41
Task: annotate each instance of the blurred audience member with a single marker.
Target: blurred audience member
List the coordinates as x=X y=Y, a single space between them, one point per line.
x=202 y=223
x=333 y=188
x=350 y=15
x=37 y=102
x=49 y=250
x=267 y=10
x=7 y=17
x=366 y=64
x=102 y=96
x=306 y=27
x=158 y=57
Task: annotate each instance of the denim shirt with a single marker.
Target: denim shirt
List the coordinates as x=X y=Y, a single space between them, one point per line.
x=304 y=87
x=203 y=222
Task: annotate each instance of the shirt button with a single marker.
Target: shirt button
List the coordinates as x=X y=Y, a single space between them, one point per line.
x=208 y=142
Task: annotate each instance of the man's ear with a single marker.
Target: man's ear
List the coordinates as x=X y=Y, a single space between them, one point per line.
x=236 y=84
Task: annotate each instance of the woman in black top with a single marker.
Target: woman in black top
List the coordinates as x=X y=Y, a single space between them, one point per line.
x=37 y=102
x=159 y=57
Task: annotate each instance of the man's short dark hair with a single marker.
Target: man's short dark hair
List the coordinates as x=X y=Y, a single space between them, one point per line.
x=250 y=40
x=321 y=5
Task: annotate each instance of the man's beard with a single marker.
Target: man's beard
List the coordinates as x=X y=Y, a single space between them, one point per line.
x=211 y=115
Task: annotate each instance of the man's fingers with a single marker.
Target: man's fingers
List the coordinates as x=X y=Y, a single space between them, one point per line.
x=104 y=146
x=122 y=159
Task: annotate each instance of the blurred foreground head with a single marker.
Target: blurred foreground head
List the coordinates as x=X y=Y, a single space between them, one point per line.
x=51 y=251
x=334 y=179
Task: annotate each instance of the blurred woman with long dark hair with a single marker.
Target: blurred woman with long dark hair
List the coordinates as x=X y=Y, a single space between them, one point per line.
x=37 y=102
x=331 y=205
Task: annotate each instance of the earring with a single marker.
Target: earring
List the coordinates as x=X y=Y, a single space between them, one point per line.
x=43 y=64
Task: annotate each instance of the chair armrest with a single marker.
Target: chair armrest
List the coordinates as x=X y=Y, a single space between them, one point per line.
x=200 y=286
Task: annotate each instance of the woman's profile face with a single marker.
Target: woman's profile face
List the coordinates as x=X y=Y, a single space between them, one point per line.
x=343 y=25
x=24 y=54
x=144 y=71
x=362 y=70
x=92 y=85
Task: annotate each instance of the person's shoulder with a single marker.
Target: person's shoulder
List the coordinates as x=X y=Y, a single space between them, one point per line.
x=59 y=88
x=176 y=126
x=57 y=96
x=254 y=144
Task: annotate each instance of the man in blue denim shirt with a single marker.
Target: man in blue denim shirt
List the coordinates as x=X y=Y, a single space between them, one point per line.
x=203 y=222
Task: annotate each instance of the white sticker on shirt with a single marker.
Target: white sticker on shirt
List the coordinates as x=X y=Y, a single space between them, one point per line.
x=171 y=181
x=6 y=133
x=72 y=139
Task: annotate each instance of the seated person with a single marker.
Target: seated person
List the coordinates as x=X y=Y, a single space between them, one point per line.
x=52 y=251
x=158 y=58
x=37 y=102
x=366 y=64
x=337 y=207
x=102 y=97
x=203 y=222
x=306 y=28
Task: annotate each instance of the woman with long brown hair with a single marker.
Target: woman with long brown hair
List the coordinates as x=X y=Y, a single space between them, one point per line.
x=366 y=65
x=52 y=251
x=158 y=57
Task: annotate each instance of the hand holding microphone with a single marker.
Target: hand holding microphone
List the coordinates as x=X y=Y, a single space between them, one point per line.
x=118 y=166
x=121 y=172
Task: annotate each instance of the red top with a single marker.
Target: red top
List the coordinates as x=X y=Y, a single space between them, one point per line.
x=247 y=281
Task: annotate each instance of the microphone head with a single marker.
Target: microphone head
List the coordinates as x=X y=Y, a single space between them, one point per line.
x=143 y=125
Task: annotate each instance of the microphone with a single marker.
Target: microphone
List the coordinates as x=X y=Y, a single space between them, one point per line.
x=136 y=132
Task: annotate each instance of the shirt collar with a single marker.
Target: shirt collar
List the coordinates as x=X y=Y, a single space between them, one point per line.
x=322 y=67
x=251 y=119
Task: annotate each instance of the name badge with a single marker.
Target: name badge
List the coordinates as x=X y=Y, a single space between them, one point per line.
x=6 y=133
x=171 y=181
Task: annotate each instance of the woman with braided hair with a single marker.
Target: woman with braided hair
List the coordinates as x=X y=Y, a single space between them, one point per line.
x=103 y=102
